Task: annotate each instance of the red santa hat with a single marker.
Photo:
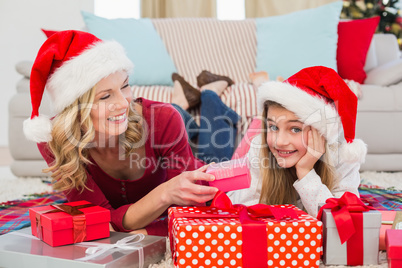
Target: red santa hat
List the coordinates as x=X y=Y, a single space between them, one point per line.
x=321 y=98
x=68 y=64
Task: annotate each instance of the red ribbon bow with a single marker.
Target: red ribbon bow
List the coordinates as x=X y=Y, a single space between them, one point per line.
x=79 y=220
x=254 y=231
x=347 y=213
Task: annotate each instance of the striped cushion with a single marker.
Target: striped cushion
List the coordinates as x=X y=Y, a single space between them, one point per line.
x=155 y=93
x=221 y=47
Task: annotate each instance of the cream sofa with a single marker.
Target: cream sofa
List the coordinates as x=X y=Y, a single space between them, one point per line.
x=230 y=49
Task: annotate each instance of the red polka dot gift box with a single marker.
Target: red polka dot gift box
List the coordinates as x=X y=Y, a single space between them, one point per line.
x=226 y=235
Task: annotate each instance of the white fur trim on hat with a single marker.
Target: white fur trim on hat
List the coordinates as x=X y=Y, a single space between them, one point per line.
x=79 y=74
x=38 y=129
x=311 y=110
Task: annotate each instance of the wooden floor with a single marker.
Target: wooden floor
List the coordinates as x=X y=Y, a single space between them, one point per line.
x=5 y=156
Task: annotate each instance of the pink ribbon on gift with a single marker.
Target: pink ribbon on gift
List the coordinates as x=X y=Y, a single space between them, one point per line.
x=254 y=231
x=347 y=212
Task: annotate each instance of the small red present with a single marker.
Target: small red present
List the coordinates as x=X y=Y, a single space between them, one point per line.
x=69 y=223
x=226 y=235
x=393 y=241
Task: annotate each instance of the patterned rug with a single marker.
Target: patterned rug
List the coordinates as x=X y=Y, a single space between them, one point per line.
x=381 y=199
x=14 y=214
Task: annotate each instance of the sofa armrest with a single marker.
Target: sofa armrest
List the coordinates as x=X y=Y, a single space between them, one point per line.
x=386 y=74
x=24 y=68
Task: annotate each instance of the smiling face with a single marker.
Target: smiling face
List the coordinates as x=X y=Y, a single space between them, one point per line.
x=111 y=105
x=286 y=136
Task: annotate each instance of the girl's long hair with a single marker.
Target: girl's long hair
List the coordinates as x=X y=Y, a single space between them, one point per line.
x=277 y=183
x=72 y=137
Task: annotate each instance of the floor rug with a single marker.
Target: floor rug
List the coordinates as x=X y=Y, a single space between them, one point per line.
x=14 y=215
x=381 y=199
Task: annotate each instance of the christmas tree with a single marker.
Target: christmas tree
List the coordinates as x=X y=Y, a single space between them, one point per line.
x=390 y=19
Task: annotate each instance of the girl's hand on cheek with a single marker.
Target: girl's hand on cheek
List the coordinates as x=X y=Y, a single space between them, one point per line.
x=315 y=149
x=184 y=190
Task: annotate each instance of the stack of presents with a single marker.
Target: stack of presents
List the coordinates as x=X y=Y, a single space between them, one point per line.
x=346 y=232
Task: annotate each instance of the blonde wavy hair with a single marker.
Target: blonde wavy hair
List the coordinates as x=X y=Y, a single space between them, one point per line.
x=72 y=136
x=277 y=183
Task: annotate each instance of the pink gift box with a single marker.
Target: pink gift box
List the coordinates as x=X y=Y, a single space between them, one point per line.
x=230 y=175
x=393 y=240
x=387 y=217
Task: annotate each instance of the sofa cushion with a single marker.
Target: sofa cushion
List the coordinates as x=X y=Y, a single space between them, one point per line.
x=152 y=63
x=288 y=43
x=24 y=68
x=353 y=44
x=23 y=85
x=371 y=58
x=386 y=74
x=386 y=48
x=380 y=99
x=222 y=47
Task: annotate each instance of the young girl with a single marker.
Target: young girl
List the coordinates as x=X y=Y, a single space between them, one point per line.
x=129 y=156
x=306 y=151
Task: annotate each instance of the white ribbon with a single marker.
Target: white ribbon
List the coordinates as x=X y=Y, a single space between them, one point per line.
x=123 y=244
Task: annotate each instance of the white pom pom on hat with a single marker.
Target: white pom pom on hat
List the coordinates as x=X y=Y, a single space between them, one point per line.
x=322 y=99
x=68 y=64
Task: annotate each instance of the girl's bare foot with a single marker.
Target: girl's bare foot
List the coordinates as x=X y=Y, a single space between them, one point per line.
x=218 y=86
x=257 y=78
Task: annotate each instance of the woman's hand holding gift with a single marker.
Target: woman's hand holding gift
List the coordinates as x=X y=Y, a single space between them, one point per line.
x=185 y=189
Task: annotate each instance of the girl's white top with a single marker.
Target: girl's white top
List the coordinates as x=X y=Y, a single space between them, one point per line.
x=311 y=190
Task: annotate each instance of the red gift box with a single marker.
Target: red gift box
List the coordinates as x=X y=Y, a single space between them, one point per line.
x=238 y=236
x=230 y=175
x=393 y=240
x=69 y=223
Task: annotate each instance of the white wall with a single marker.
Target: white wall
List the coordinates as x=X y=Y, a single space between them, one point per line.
x=21 y=38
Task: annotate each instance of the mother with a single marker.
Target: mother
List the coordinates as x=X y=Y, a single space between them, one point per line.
x=129 y=156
